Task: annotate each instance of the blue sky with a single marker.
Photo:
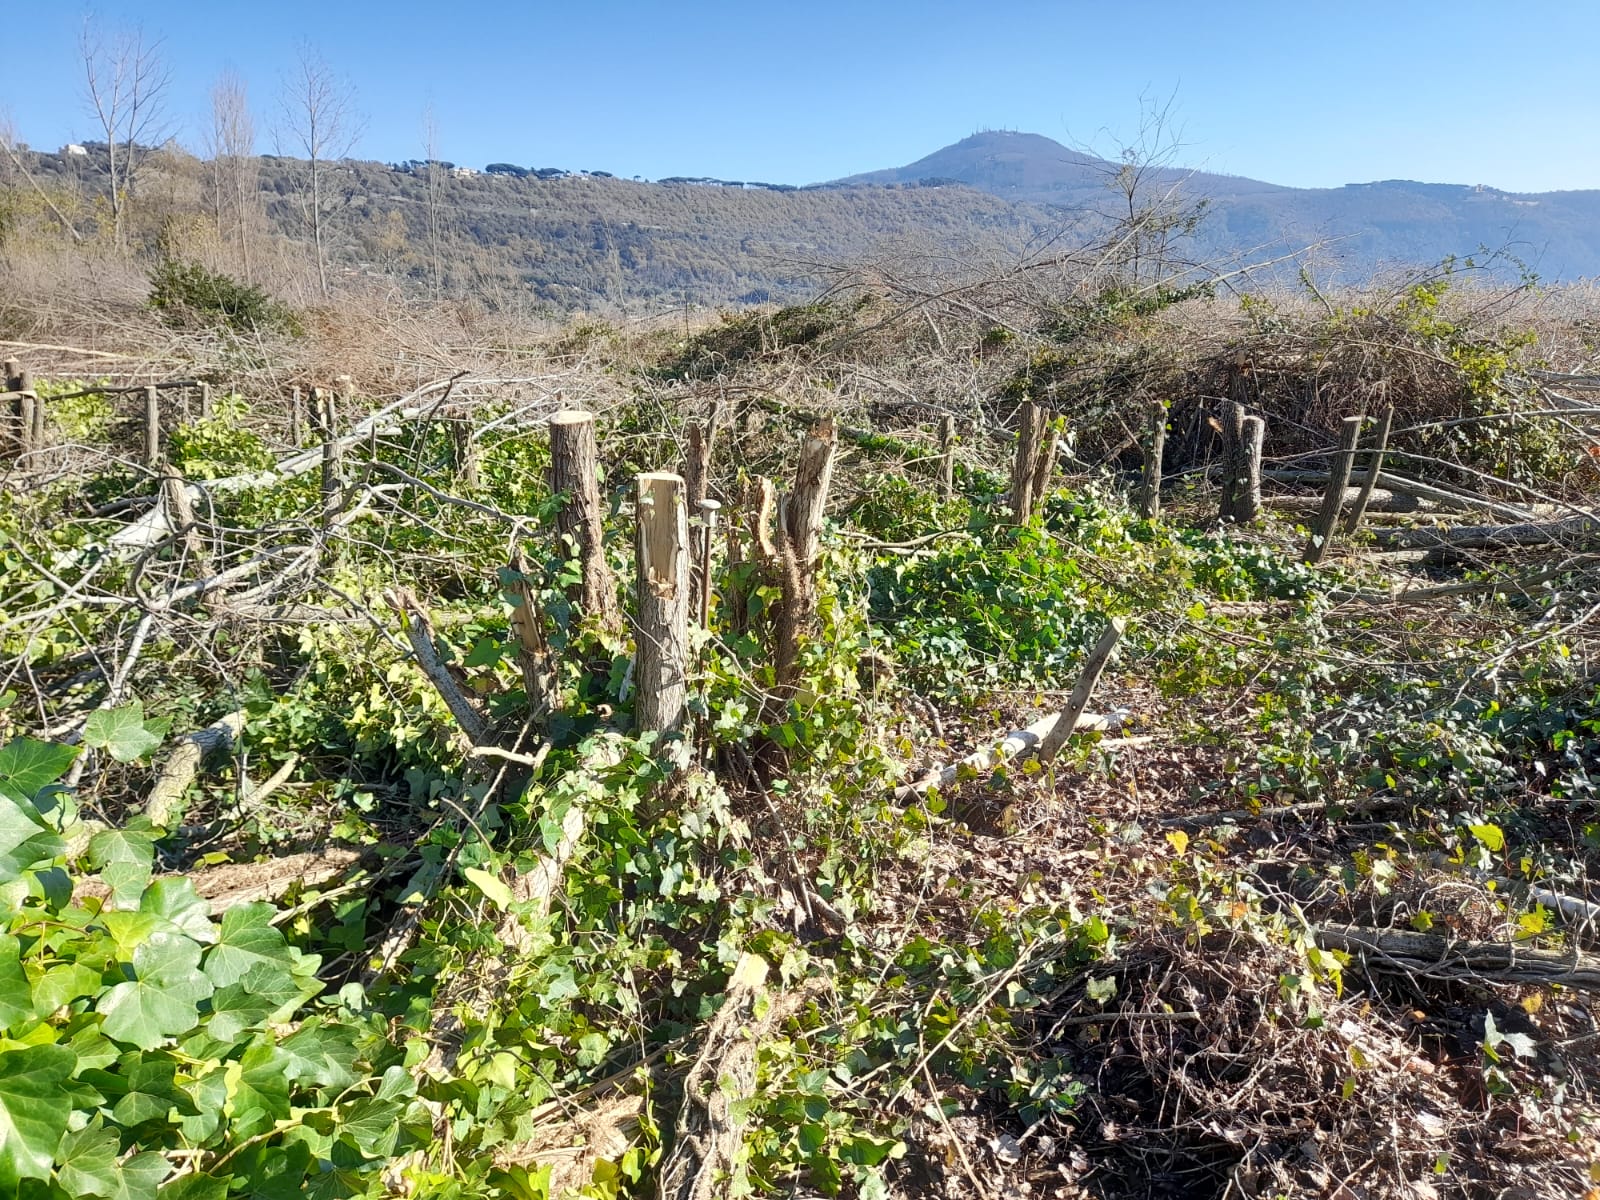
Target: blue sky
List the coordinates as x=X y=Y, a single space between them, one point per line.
x=1310 y=94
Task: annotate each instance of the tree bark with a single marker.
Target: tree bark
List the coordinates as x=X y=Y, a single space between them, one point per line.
x=1155 y=450
x=1093 y=667
x=1321 y=539
x=575 y=474
x=1247 y=470
x=947 y=458
x=662 y=557
x=1380 y=443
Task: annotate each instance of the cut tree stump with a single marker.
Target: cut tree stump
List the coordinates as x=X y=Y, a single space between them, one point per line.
x=1154 y=452
x=662 y=558
x=575 y=474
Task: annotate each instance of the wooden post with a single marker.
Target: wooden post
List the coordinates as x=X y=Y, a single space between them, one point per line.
x=152 y=427
x=1247 y=473
x=344 y=388
x=1155 y=449
x=13 y=372
x=297 y=417
x=947 y=458
x=575 y=474
x=1333 y=498
x=661 y=550
x=205 y=401
x=38 y=434
x=1380 y=443
x=1093 y=667
x=26 y=415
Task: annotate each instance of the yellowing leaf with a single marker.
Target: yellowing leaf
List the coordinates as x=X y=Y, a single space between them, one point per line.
x=491 y=885
x=1179 y=841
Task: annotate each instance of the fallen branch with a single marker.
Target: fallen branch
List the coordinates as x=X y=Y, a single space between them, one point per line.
x=162 y=806
x=706 y=1160
x=1017 y=742
x=1093 y=666
x=1582 y=531
x=1389 y=481
x=1439 y=957
x=419 y=632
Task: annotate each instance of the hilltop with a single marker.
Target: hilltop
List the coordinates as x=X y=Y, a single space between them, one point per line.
x=1368 y=225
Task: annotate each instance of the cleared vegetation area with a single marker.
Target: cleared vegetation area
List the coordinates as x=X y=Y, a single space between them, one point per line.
x=385 y=810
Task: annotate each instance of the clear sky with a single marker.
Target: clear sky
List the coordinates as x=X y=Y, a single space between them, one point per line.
x=1294 y=91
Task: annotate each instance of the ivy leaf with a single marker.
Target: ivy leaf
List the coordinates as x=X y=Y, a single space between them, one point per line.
x=320 y=1056
x=25 y=837
x=275 y=1172
x=195 y=1187
x=28 y=767
x=88 y=1166
x=491 y=885
x=247 y=938
x=163 y=1000
x=174 y=898
x=16 y=996
x=86 y=1161
x=125 y=859
x=61 y=985
x=1492 y=837
x=121 y=732
x=243 y=1005
x=34 y=1108
x=152 y=1093
x=258 y=1090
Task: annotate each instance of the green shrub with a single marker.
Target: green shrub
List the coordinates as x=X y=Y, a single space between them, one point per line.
x=187 y=292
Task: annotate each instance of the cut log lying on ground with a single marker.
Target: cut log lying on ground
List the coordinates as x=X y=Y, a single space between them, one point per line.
x=1379 y=500
x=1583 y=531
x=1389 y=481
x=1018 y=742
x=1428 y=954
x=232 y=884
x=163 y=806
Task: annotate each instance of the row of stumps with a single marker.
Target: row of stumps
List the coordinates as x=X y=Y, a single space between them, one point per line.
x=675 y=531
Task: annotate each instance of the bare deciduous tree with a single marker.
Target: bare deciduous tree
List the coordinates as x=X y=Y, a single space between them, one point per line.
x=125 y=81
x=321 y=120
x=436 y=181
x=1151 y=213
x=234 y=167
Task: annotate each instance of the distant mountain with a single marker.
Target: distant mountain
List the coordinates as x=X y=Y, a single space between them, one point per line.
x=1365 y=225
x=512 y=234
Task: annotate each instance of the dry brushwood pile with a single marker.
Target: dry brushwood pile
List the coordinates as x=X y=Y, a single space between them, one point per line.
x=995 y=739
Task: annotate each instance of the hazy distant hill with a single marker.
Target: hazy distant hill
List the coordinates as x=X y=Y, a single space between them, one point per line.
x=1367 y=224
x=574 y=240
